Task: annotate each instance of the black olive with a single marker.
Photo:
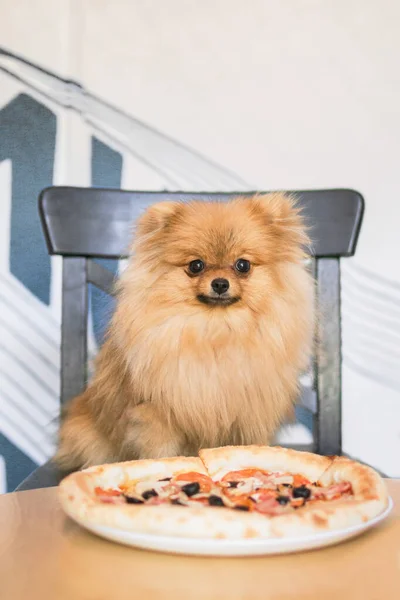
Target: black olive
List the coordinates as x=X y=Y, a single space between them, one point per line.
x=301 y=492
x=132 y=500
x=215 y=501
x=149 y=494
x=191 y=489
x=166 y=479
x=177 y=501
x=233 y=484
x=241 y=507
x=288 y=485
x=282 y=499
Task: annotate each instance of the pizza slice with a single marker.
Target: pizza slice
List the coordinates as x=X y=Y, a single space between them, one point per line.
x=331 y=492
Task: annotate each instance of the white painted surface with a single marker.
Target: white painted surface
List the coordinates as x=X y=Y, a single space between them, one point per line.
x=295 y=94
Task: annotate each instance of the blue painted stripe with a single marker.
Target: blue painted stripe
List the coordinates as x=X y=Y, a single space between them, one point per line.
x=18 y=465
x=28 y=136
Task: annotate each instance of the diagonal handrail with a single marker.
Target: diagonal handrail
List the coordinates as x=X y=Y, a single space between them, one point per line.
x=180 y=166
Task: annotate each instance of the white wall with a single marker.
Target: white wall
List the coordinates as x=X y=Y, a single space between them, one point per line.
x=294 y=94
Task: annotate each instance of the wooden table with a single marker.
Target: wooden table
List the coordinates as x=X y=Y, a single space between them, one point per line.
x=44 y=555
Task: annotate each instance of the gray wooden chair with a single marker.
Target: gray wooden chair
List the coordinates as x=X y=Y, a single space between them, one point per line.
x=82 y=224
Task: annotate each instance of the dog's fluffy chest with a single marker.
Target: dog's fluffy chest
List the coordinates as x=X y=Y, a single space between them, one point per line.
x=208 y=380
x=194 y=358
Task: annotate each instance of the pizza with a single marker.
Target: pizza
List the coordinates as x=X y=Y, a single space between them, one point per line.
x=232 y=492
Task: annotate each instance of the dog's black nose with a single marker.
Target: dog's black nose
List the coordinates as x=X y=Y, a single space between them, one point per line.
x=220 y=286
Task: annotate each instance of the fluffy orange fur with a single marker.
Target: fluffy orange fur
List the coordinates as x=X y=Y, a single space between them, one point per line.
x=174 y=374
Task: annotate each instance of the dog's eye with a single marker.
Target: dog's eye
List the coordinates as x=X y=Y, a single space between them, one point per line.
x=242 y=265
x=196 y=266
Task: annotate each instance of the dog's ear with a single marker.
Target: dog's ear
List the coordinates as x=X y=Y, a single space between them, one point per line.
x=276 y=207
x=283 y=218
x=157 y=217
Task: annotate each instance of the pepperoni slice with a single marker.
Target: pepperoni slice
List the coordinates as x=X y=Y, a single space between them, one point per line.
x=263 y=494
x=269 y=506
x=205 y=482
x=244 y=474
x=336 y=491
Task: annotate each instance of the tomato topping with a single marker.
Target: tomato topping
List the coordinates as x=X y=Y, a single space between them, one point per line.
x=241 y=500
x=299 y=480
x=297 y=502
x=243 y=474
x=100 y=492
x=205 y=482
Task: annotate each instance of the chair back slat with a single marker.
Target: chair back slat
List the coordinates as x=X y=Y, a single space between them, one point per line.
x=329 y=388
x=73 y=328
x=102 y=278
x=98 y=223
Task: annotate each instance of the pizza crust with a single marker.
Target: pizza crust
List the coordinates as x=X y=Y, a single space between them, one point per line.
x=79 y=500
x=219 y=461
x=112 y=475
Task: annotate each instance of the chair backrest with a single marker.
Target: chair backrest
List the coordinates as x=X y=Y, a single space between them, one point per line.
x=83 y=224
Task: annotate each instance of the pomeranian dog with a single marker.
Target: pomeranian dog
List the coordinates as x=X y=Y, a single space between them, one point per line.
x=212 y=329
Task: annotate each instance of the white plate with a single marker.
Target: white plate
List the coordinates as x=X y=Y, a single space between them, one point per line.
x=205 y=547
